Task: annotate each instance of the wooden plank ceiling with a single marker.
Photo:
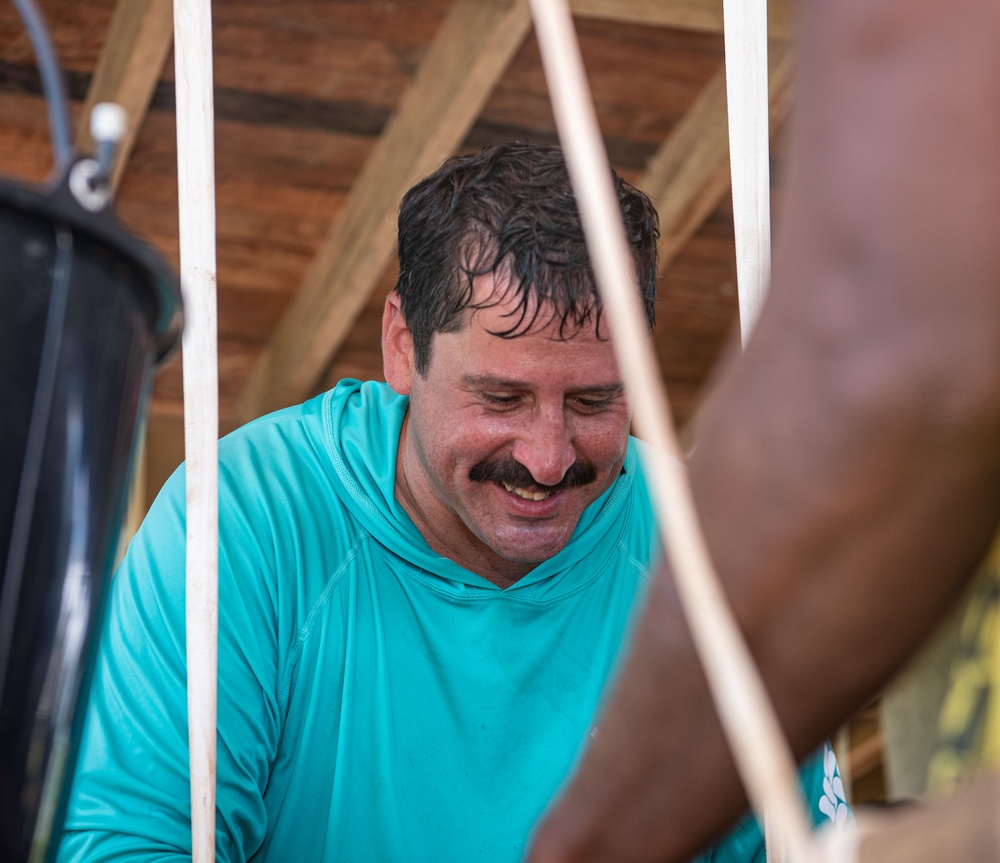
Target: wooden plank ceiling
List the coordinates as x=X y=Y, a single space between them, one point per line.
x=328 y=110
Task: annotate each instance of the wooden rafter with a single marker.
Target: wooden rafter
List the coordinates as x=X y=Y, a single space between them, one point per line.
x=137 y=45
x=471 y=51
x=689 y=174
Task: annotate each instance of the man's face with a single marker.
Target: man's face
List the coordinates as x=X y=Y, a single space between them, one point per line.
x=507 y=441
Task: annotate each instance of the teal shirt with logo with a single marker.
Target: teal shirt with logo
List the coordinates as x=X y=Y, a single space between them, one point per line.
x=377 y=702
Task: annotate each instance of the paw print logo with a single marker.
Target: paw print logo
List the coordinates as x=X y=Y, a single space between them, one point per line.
x=833 y=803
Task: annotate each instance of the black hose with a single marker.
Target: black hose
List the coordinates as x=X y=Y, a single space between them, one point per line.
x=52 y=82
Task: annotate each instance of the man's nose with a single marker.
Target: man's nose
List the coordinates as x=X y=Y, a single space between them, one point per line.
x=546 y=448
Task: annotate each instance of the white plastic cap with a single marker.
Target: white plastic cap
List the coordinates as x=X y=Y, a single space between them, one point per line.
x=107 y=122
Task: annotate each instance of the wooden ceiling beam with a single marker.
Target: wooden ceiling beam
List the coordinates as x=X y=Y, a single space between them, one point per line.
x=705 y=15
x=474 y=46
x=689 y=175
x=139 y=39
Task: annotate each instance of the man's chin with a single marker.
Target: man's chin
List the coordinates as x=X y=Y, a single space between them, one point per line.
x=533 y=550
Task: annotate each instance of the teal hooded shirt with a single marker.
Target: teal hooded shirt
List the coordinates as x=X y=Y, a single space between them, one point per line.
x=377 y=702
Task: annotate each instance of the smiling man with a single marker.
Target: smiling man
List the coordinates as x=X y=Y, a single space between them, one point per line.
x=423 y=584
x=537 y=431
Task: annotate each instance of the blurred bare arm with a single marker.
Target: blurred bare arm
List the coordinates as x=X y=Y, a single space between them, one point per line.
x=847 y=468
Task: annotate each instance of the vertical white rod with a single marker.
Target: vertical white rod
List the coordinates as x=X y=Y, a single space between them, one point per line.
x=196 y=195
x=745 y=33
x=745 y=28
x=761 y=753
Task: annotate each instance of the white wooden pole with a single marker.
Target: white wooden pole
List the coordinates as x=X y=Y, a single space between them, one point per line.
x=745 y=29
x=196 y=195
x=745 y=32
x=761 y=753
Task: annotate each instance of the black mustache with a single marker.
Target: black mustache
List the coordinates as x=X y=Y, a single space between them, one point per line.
x=516 y=474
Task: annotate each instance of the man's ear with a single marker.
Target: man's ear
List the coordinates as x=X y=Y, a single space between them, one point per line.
x=397 y=347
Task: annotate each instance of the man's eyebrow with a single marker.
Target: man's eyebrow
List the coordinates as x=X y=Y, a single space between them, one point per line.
x=492 y=381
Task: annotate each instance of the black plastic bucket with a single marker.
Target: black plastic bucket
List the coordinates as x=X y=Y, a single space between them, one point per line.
x=86 y=313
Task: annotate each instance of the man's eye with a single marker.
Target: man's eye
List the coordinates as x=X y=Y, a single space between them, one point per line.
x=499 y=400
x=592 y=404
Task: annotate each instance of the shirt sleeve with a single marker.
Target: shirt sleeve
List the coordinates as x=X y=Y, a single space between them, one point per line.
x=823 y=794
x=824 y=789
x=130 y=794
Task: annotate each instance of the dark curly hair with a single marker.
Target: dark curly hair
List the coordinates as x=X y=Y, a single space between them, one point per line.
x=509 y=209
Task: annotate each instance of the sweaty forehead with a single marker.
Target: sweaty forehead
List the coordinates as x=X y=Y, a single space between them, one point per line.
x=532 y=359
